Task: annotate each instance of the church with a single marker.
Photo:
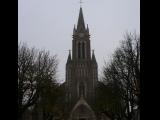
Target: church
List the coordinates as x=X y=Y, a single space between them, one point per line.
x=81 y=74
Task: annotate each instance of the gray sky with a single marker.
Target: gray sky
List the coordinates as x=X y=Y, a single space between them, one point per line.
x=48 y=24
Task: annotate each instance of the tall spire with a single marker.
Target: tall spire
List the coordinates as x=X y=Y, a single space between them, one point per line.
x=81 y=24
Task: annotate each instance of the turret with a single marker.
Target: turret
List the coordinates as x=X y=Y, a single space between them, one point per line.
x=87 y=29
x=74 y=30
x=93 y=57
x=69 y=57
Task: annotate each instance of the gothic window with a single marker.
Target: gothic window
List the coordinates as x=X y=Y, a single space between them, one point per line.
x=80 y=71
x=69 y=96
x=83 y=71
x=69 y=74
x=81 y=89
x=93 y=74
x=83 y=50
x=79 y=50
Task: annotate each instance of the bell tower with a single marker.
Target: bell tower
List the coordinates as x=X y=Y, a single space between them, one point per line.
x=81 y=42
x=81 y=68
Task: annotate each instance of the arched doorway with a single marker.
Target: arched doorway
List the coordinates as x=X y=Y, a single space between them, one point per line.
x=82 y=111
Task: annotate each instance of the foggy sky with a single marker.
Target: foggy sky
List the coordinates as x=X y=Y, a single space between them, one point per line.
x=48 y=24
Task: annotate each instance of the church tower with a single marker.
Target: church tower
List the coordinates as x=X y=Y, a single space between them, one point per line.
x=81 y=67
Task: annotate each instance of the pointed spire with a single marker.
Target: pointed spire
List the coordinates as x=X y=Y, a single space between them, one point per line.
x=93 y=56
x=81 y=24
x=69 y=56
x=87 y=28
x=74 y=29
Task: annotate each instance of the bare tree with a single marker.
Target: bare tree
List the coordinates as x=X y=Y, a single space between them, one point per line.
x=35 y=70
x=124 y=72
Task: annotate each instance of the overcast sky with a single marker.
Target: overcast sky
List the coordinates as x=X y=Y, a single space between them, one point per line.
x=48 y=24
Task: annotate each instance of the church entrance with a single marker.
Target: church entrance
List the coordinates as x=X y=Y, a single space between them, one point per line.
x=82 y=111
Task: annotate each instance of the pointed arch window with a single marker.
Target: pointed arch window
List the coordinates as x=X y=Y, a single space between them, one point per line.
x=79 y=50
x=83 y=50
x=81 y=89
